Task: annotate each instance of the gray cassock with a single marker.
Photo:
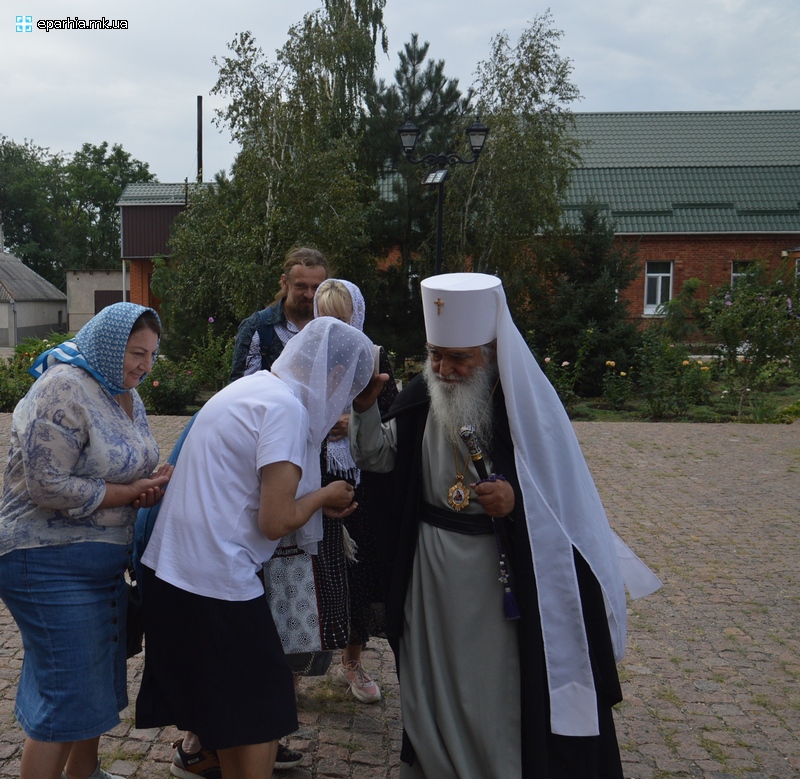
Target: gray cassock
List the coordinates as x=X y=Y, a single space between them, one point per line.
x=459 y=670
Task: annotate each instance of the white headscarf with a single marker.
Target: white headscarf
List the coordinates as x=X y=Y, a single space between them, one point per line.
x=339 y=459
x=561 y=503
x=325 y=365
x=359 y=306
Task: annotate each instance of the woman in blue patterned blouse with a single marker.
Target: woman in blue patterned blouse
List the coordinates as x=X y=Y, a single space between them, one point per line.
x=81 y=462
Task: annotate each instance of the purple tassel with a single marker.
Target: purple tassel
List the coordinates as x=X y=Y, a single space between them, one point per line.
x=510 y=606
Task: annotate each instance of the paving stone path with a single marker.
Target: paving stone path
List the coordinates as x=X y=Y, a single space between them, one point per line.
x=711 y=673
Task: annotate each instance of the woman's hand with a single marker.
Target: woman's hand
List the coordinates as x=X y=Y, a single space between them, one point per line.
x=148 y=498
x=339 y=430
x=280 y=512
x=338 y=497
x=140 y=493
x=152 y=494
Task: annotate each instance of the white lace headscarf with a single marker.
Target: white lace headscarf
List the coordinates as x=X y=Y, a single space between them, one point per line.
x=325 y=365
x=339 y=459
x=357 y=299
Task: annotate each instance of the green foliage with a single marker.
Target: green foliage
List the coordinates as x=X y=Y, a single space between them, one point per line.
x=394 y=318
x=213 y=271
x=669 y=381
x=497 y=208
x=169 y=389
x=562 y=377
x=617 y=386
x=571 y=285
x=294 y=181
x=60 y=212
x=27 y=174
x=15 y=381
x=331 y=58
x=405 y=218
x=30 y=348
x=789 y=413
x=755 y=328
x=565 y=375
x=683 y=313
x=318 y=135
x=210 y=363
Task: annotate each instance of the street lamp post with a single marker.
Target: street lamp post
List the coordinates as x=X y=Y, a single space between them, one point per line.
x=409 y=134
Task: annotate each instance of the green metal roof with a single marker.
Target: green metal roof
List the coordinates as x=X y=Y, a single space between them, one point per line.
x=698 y=172
x=154 y=193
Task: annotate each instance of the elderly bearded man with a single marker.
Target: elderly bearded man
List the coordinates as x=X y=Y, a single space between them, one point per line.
x=506 y=607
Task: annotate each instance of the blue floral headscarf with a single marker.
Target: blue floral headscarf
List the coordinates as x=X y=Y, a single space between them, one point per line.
x=98 y=347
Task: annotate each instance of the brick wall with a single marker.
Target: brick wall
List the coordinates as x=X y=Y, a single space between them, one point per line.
x=140 y=292
x=708 y=258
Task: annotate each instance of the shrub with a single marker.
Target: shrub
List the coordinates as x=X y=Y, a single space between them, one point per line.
x=788 y=414
x=168 y=389
x=31 y=348
x=210 y=363
x=564 y=375
x=617 y=386
x=670 y=382
x=15 y=381
x=757 y=331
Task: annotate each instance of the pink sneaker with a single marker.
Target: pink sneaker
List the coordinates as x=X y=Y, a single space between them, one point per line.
x=361 y=684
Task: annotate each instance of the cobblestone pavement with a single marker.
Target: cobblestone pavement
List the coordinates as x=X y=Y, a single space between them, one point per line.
x=711 y=673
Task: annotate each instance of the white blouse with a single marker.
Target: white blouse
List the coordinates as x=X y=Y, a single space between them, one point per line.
x=68 y=438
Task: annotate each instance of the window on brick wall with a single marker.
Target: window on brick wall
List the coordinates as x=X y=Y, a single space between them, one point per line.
x=739 y=268
x=658 y=286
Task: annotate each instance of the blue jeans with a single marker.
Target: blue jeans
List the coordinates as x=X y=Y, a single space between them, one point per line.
x=69 y=603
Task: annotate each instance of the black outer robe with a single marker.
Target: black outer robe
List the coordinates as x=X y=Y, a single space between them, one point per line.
x=544 y=755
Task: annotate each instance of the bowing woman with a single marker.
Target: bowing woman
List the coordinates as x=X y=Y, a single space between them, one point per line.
x=81 y=462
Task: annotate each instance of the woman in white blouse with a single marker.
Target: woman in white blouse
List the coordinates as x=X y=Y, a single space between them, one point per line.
x=81 y=462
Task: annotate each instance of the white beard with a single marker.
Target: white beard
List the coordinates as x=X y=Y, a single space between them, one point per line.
x=467 y=402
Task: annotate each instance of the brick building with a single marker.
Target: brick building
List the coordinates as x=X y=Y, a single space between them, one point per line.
x=701 y=194
x=147 y=211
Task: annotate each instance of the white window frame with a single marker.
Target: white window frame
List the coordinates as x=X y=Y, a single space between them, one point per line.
x=740 y=268
x=659 y=282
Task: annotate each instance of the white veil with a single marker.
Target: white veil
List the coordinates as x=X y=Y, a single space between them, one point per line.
x=325 y=365
x=340 y=460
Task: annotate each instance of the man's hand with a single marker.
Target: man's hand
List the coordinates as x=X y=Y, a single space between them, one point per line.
x=339 y=430
x=367 y=397
x=496 y=497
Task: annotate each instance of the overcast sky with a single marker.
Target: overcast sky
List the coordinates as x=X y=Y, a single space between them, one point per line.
x=139 y=87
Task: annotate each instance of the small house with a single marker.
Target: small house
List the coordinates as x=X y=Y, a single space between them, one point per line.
x=30 y=306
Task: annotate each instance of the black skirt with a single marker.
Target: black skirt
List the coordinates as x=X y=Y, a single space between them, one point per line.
x=213 y=667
